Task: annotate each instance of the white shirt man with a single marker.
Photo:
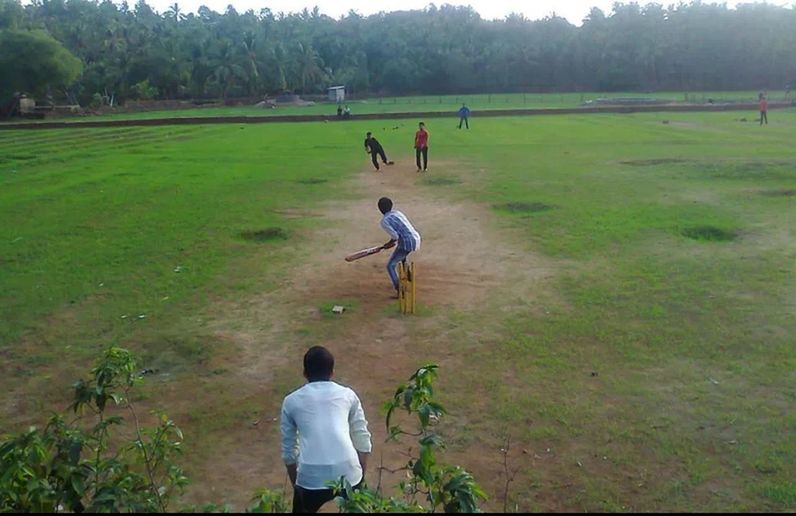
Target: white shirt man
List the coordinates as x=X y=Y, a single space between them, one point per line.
x=324 y=434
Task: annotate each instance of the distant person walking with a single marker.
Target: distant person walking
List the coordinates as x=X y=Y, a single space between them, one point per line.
x=464 y=114
x=374 y=148
x=347 y=112
x=324 y=434
x=763 y=102
x=421 y=147
x=339 y=111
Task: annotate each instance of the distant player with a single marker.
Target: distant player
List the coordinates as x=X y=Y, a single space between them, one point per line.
x=374 y=148
x=402 y=234
x=421 y=147
x=464 y=114
x=763 y=108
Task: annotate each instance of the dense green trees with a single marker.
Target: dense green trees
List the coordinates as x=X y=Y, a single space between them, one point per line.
x=135 y=52
x=32 y=61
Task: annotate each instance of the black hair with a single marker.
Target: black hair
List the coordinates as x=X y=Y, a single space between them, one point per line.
x=318 y=364
x=385 y=204
x=422 y=123
x=368 y=133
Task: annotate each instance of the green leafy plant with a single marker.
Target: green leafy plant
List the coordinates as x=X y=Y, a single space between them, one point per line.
x=76 y=466
x=448 y=487
x=266 y=501
x=79 y=465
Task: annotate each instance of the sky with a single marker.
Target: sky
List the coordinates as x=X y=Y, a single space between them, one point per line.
x=572 y=10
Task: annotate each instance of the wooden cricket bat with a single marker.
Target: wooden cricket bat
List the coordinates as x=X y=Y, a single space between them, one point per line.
x=363 y=253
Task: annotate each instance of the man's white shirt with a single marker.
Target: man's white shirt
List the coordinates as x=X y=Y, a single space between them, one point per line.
x=323 y=427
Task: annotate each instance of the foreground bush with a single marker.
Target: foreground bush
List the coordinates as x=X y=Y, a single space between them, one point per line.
x=76 y=464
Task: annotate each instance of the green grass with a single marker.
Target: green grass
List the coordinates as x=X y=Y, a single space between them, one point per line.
x=680 y=274
x=439 y=103
x=109 y=225
x=660 y=373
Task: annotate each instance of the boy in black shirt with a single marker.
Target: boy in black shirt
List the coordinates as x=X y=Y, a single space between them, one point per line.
x=374 y=148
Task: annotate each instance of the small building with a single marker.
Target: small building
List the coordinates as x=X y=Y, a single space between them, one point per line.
x=336 y=94
x=26 y=105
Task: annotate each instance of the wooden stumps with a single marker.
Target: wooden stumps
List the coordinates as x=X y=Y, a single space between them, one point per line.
x=407 y=287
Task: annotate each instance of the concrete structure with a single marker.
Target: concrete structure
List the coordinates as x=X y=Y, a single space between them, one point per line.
x=26 y=105
x=336 y=94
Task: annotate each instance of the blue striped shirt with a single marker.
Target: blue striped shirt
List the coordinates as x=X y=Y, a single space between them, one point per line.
x=399 y=228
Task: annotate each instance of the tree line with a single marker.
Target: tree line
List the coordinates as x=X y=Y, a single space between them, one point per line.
x=89 y=49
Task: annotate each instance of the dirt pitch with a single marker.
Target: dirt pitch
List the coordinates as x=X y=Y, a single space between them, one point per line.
x=465 y=263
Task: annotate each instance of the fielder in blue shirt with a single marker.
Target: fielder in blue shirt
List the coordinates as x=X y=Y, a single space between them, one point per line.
x=464 y=114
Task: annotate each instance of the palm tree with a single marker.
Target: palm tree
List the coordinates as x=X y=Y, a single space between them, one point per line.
x=225 y=70
x=309 y=65
x=249 y=44
x=175 y=12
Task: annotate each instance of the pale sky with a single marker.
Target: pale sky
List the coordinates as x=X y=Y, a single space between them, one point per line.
x=573 y=10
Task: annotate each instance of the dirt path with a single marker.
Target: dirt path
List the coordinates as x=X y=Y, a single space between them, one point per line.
x=465 y=260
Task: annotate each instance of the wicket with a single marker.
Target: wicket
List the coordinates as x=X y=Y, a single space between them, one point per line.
x=407 y=287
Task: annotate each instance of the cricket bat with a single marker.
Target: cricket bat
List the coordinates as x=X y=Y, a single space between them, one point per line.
x=363 y=253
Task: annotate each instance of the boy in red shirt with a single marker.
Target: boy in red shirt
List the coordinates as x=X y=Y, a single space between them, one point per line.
x=763 y=109
x=421 y=147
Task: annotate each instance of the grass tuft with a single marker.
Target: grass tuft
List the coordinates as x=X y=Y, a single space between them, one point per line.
x=783 y=192
x=264 y=235
x=441 y=181
x=709 y=233
x=524 y=207
x=652 y=162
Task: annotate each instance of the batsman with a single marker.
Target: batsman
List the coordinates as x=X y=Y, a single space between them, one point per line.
x=402 y=234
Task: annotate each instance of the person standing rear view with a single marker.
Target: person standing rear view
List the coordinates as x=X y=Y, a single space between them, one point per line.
x=421 y=146
x=763 y=108
x=324 y=434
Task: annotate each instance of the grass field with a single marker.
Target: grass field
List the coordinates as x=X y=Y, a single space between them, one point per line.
x=445 y=103
x=614 y=293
